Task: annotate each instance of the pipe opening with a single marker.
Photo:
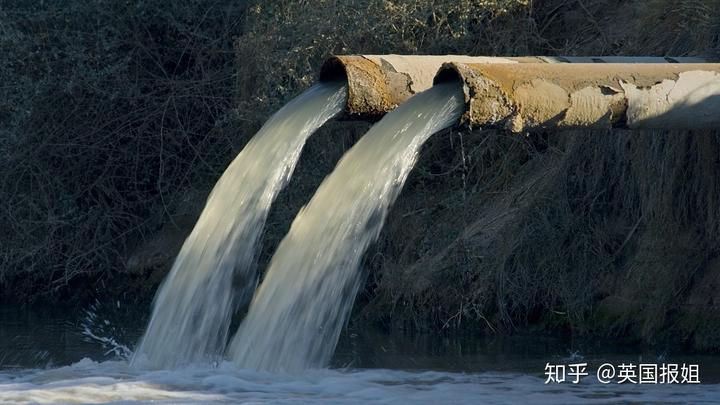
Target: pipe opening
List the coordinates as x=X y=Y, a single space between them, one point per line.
x=447 y=73
x=333 y=69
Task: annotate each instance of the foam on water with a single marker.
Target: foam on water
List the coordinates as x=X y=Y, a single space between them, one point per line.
x=117 y=382
x=215 y=271
x=296 y=315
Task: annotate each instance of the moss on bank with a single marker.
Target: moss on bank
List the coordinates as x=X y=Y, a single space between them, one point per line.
x=600 y=234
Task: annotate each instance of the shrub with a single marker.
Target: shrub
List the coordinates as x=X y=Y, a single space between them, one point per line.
x=112 y=113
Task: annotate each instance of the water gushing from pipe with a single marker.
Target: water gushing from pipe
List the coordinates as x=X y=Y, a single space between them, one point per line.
x=296 y=315
x=215 y=269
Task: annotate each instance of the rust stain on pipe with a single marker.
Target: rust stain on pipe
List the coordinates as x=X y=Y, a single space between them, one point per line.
x=534 y=96
x=379 y=83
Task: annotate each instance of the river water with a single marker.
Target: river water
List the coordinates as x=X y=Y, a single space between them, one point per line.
x=50 y=355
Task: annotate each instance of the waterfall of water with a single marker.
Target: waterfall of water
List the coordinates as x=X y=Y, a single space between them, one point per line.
x=216 y=267
x=296 y=315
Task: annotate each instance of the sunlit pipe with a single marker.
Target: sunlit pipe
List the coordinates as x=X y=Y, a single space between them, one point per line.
x=379 y=83
x=535 y=96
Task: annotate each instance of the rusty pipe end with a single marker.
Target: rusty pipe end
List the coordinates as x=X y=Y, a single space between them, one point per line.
x=374 y=87
x=379 y=83
x=487 y=104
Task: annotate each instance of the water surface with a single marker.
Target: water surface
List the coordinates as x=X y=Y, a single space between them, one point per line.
x=46 y=356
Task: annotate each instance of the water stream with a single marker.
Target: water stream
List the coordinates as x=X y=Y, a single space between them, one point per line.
x=299 y=309
x=215 y=270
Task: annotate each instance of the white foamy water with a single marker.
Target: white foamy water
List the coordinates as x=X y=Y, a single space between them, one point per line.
x=117 y=382
x=215 y=271
x=297 y=313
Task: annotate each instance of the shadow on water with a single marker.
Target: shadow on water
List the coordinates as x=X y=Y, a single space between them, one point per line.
x=52 y=337
x=526 y=354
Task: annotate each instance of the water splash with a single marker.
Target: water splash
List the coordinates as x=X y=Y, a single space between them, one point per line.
x=297 y=313
x=95 y=328
x=113 y=382
x=192 y=309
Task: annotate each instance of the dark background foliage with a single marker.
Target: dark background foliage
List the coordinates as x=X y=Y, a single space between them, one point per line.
x=112 y=113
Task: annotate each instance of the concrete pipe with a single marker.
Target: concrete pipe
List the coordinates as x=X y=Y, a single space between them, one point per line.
x=535 y=96
x=379 y=83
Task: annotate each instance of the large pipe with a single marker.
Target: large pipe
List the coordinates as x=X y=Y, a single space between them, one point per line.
x=535 y=96
x=379 y=83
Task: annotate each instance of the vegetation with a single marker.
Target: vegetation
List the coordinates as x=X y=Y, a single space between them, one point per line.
x=118 y=118
x=112 y=114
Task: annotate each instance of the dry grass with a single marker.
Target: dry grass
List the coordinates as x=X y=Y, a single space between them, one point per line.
x=602 y=233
